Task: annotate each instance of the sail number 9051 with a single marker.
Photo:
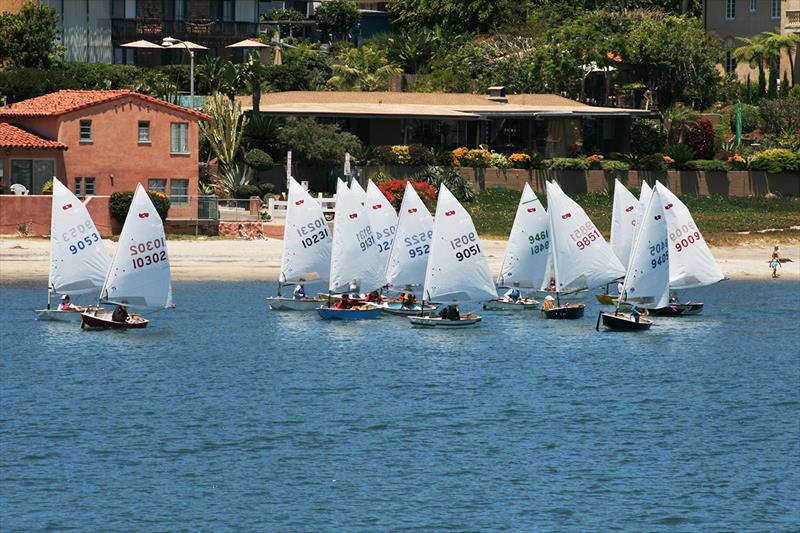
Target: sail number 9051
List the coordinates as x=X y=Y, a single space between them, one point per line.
x=466 y=246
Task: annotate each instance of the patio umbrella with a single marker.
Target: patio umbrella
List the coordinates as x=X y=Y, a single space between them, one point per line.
x=141 y=44
x=190 y=45
x=248 y=43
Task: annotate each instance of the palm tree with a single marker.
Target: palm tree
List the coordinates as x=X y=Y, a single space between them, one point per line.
x=789 y=42
x=677 y=120
x=251 y=72
x=755 y=52
x=364 y=69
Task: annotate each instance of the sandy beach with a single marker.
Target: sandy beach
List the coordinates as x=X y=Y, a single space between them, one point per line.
x=237 y=260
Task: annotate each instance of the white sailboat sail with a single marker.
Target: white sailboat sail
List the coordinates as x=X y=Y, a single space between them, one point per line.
x=691 y=263
x=581 y=257
x=383 y=220
x=78 y=258
x=457 y=269
x=408 y=257
x=140 y=275
x=358 y=190
x=355 y=255
x=644 y=199
x=526 y=257
x=306 y=238
x=647 y=280
x=623 y=222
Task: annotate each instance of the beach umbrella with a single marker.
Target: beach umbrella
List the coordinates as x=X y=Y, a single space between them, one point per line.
x=248 y=43
x=142 y=44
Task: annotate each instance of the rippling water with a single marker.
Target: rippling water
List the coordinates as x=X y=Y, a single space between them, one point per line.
x=224 y=416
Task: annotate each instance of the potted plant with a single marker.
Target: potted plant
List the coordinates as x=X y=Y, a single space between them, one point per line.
x=47 y=188
x=520 y=160
x=594 y=161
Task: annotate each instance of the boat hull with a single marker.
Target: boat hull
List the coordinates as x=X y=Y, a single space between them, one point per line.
x=54 y=315
x=578 y=296
x=499 y=304
x=567 y=312
x=625 y=323
x=436 y=322
x=331 y=313
x=677 y=310
x=103 y=321
x=290 y=304
x=397 y=309
x=605 y=299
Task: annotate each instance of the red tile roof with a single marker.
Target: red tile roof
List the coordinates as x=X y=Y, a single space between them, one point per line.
x=66 y=101
x=14 y=137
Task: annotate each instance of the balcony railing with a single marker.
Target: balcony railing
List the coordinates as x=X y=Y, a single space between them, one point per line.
x=191 y=30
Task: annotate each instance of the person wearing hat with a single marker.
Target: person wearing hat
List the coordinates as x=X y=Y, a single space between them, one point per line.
x=513 y=294
x=66 y=305
x=549 y=303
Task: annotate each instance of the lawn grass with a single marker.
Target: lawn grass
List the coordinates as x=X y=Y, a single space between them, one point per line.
x=718 y=217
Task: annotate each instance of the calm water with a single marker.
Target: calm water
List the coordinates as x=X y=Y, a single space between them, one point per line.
x=224 y=416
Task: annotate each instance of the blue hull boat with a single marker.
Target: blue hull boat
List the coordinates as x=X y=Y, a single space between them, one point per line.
x=330 y=313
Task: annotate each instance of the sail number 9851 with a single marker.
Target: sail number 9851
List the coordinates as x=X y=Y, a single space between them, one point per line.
x=585 y=235
x=466 y=246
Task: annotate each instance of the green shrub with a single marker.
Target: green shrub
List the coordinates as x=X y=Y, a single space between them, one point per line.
x=647 y=136
x=120 y=203
x=265 y=189
x=781 y=115
x=566 y=163
x=243 y=192
x=680 y=154
x=751 y=117
x=776 y=160
x=258 y=160
x=652 y=162
x=616 y=166
x=708 y=165
x=449 y=176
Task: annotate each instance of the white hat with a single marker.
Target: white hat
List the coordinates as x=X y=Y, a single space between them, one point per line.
x=548 y=297
x=64 y=297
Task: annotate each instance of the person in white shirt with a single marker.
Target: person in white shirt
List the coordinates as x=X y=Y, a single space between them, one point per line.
x=299 y=292
x=513 y=294
x=66 y=305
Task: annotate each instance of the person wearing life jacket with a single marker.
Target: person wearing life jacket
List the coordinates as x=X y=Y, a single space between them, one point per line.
x=373 y=297
x=408 y=299
x=299 y=292
x=344 y=303
x=66 y=305
x=549 y=303
x=513 y=294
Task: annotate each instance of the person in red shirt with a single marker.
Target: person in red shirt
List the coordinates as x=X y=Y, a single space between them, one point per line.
x=344 y=303
x=374 y=297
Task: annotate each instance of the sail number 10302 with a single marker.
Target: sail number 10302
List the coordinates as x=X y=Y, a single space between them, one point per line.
x=148 y=252
x=466 y=246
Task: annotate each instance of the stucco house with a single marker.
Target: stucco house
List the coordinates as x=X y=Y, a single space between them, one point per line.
x=100 y=142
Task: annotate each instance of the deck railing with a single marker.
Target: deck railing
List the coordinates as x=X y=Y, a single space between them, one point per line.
x=277 y=208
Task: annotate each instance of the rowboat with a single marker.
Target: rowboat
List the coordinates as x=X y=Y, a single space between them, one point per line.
x=501 y=304
x=104 y=321
x=331 y=313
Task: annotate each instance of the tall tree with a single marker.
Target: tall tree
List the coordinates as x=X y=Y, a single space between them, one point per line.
x=778 y=43
x=756 y=53
x=252 y=73
x=337 y=18
x=28 y=38
x=455 y=16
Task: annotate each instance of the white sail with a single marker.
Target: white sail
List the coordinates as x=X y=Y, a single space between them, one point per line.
x=140 y=274
x=457 y=269
x=78 y=258
x=358 y=190
x=306 y=238
x=383 y=220
x=623 y=222
x=525 y=260
x=691 y=263
x=644 y=199
x=355 y=255
x=412 y=242
x=581 y=257
x=647 y=279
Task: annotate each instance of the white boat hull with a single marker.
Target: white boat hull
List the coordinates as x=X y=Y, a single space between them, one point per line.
x=397 y=309
x=436 y=322
x=506 y=305
x=53 y=315
x=290 y=304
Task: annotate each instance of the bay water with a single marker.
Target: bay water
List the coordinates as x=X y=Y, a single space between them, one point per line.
x=224 y=416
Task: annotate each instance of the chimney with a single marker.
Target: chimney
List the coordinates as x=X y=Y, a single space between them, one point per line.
x=498 y=94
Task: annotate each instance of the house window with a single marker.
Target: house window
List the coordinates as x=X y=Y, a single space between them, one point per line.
x=32 y=173
x=179 y=138
x=224 y=10
x=730 y=9
x=88 y=186
x=86 y=131
x=730 y=62
x=753 y=5
x=174 y=9
x=78 y=186
x=124 y=56
x=144 y=132
x=179 y=191
x=157 y=185
x=776 y=9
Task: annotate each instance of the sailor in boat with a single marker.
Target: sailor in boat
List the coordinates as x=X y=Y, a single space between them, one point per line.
x=354 y=289
x=407 y=299
x=344 y=302
x=120 y=314
x=549 y=303
x=66 y=305
x=513 y=294
x=450 y=313
x=374 y=297
x=299 y=292
x=619 y=286
x=635 y=313
x=552 y=287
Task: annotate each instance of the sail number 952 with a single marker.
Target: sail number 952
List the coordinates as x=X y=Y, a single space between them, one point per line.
x=466 y=246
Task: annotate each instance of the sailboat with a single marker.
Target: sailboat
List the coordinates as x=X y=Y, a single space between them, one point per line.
x=526 y=259
x=355 y=259
x=457 y=271
x=581 y=257
x=409 y=253
x=647 y=279
x=306 y=248
x=78 y=258
x=139 y=276
x=358 y=190
x=691 y=262
x=383 y=219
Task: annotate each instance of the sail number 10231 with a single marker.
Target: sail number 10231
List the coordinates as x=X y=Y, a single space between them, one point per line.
x=466 y=246
x=148 y=252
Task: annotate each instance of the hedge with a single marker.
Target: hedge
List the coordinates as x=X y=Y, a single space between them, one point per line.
x=120 y=203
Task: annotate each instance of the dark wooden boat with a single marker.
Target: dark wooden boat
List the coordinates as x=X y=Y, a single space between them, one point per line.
x=625 y=322
x=689 y=308
x=568 y=311
x=103 y=321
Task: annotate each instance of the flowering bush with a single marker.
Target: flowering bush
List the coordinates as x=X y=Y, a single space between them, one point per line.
x=404 y=155
x=458 y=156
x=737 y=161
x=594 y=158
x=520 y=160
x=701 y=139
x=499 y=161
x=478 y=158
x=401 y=154
x=395 y=189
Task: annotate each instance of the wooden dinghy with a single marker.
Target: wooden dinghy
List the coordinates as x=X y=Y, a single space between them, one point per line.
x=677 y=309
x=501 y=304
x=103 y=321
x=54 y=315
x=567 y=311
x=624 y=322
x=466 y=321
x=279 y=303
